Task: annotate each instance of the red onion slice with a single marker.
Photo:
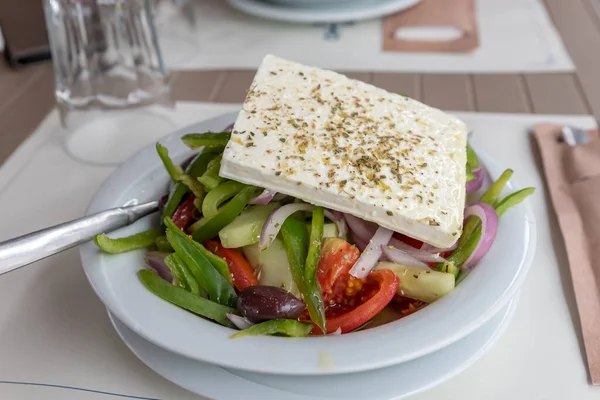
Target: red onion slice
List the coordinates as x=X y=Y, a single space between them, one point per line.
x=360 y=228
x=372 y=253
x=403 y=246
x=276 y=219
x=240 y=322
x=419 y=254
x=489 y=227
x=361 y=244
x=264 y=198
x=362 y=231
x=475 y=184
x=401 y=257
x=155 y=260
x=432 y=249
x=338 y=219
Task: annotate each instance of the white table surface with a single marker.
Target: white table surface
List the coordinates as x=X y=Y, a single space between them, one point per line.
x=53 y=330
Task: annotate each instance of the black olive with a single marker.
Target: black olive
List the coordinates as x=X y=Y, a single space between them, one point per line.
x=261 y=303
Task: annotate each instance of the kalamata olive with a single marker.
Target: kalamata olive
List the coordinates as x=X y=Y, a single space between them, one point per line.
x=261 y=303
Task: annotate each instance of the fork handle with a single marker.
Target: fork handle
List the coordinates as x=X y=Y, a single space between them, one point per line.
x=26 y=249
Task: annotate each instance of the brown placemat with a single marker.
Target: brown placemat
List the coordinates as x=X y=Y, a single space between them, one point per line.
x=458 y=14
x=573 y=179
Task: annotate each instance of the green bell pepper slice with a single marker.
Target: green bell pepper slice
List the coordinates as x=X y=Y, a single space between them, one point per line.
x=176 y=173
x=210 y=178
x=491 y=195
x=179 y=190
x=219 y=263
x=472 y=160
x=176 y=271
x=512 y=200
x=184 y=276
x=470 y=174
x=208 y=228
x=208 y=277
x=312 y=262
x=296 y=242
x=184 y=299
x=287 y=327
x=464 y=250
x=193 y=185
x=214 y=198
x=173 y=170
x=216 y=140
x=162 y=244
x=449 y=267
x=129 y=243
x=314 y=244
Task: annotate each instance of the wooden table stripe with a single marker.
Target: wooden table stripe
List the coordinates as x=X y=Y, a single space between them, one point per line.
x=501 y=93
x=555 y=94
x=235 y=86
x=195 y=85
x=405 y=84
x=17 y=83
x=594 y=7
x=361 y=76
x=448 y=92
x=22 y=116
x=580 y=32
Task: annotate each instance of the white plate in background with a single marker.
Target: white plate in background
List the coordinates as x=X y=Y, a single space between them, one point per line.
x=329 y=12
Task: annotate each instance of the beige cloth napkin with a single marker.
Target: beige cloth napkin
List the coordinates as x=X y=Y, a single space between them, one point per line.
x=459 y=14
x=573 y=179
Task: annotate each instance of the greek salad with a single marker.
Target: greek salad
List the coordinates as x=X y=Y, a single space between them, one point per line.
x=270 y=264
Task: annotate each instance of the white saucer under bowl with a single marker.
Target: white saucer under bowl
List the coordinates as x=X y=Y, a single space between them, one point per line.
x=327 y=12
x=394 y=382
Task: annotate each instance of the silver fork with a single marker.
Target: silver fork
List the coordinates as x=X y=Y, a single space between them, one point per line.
x=26 y=249
x=574 y=136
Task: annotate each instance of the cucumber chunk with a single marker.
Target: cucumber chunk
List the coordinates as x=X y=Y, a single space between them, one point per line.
x=329 y=230
x=420 y=284
x=271 y=266
x=245 y=229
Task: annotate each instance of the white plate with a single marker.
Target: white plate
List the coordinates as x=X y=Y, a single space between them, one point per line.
x=487 y=289
x=329 y=12
x=394 y=382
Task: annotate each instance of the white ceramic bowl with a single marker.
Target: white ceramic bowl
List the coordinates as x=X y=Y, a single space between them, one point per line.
x=479 y=297
x=395 y=382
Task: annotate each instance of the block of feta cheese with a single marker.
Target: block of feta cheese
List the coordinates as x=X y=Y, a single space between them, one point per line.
x=352 y=147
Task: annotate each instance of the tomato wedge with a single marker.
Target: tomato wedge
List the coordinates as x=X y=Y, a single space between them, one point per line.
x=241 y=271
x=184 y=212
x=376 y=293
x=406 y=306
x=417 y=244
x=337 y=258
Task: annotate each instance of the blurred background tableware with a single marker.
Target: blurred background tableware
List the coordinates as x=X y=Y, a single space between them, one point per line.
x=329 y=11
x=110 y=79
x=176 y=26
